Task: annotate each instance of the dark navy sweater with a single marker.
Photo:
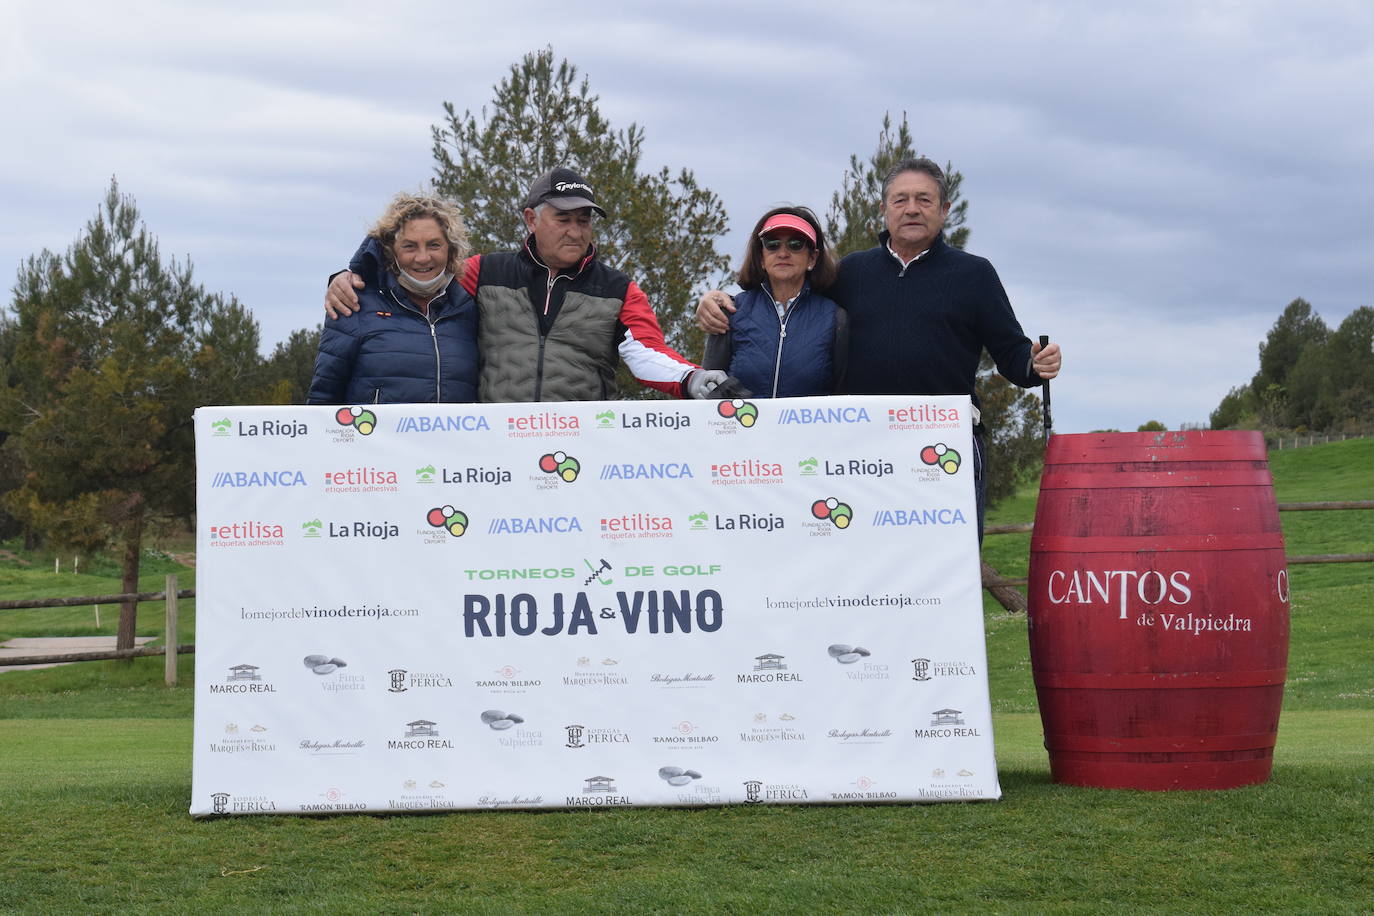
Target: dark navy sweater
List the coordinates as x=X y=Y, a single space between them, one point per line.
x=922 y=330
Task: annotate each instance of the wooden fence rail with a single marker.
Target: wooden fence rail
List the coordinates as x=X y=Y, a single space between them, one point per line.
x=1006 y=593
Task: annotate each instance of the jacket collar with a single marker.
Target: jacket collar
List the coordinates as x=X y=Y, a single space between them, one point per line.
x=936 y=247
x=530 y=251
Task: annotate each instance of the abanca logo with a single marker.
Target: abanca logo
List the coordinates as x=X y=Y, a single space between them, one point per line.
x=283 y=477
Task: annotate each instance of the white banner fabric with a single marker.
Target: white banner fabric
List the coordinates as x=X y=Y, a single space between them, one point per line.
x=454 y=606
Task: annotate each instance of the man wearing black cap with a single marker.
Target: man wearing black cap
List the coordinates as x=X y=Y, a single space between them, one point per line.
x=552 y=318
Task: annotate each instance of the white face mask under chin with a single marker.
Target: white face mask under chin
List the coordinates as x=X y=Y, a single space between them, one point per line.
x=424 y=288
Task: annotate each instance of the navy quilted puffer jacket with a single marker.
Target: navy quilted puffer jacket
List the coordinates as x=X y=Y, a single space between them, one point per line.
x=389 y=352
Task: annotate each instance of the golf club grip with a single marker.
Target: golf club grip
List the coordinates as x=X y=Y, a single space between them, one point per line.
x=1045 y=389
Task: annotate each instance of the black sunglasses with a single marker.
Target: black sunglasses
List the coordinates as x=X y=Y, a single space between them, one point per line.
x=793 y=244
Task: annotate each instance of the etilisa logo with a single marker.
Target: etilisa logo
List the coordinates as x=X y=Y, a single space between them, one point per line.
x=746 y=471
x=832 y=510
x=924 y=416
x=742 y=412
x=542 y=424
x=448 y=518
x=942 y=456
x=362 y=419
x=561 y=465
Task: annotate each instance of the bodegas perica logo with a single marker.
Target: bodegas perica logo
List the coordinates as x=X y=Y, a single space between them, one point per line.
x=360 y=418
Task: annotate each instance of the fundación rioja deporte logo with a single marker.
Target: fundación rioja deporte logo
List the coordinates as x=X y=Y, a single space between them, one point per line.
x=742 y=412
x=448 y=518
x=839 y=514
x=942 y=456
x=561 y=464
x=360 y=418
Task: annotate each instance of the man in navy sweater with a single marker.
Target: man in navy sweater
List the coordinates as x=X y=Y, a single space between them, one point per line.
x=920 y=311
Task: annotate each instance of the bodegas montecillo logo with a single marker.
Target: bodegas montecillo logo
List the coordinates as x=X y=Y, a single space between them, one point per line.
x=743 y=412
x=942 y=456
x=362 y=419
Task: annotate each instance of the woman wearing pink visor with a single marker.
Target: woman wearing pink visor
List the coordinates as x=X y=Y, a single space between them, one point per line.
x=786 y=339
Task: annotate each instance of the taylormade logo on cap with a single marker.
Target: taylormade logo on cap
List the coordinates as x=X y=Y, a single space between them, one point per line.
x=564 y=189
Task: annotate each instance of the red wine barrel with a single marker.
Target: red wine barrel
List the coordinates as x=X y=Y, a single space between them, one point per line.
x=1158 y=613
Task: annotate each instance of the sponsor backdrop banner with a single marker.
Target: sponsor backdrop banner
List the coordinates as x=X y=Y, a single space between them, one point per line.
x=424 y=607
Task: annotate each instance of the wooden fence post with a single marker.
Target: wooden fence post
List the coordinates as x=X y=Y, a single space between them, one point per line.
x=169 y=638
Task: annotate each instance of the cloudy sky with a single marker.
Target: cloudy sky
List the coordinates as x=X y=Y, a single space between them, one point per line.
x=1153 y=183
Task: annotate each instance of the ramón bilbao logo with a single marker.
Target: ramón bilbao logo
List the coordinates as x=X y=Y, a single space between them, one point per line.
x=360 y=418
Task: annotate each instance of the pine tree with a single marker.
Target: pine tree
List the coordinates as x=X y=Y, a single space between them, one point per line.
x=662 y=227
x=853 y=221
x=112 y=350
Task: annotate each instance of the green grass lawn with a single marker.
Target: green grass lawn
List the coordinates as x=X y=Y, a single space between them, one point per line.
x=95 y=785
